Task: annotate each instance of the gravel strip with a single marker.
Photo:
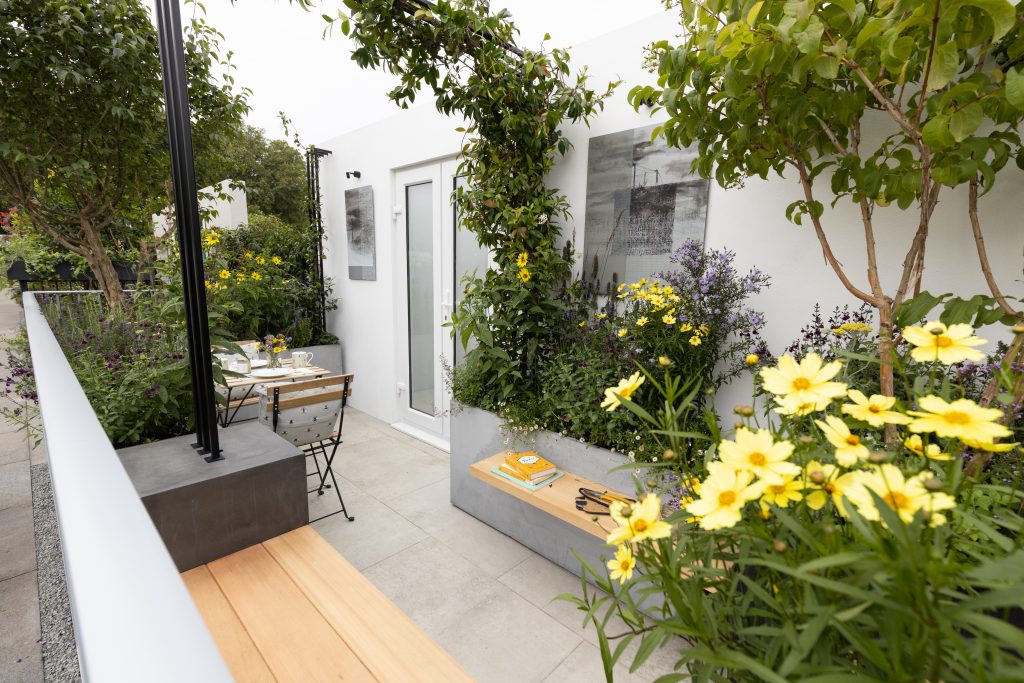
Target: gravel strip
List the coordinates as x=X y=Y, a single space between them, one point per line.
x=60 y=657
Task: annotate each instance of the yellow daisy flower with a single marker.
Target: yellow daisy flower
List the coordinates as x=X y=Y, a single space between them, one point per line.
x=613 y=396
x=668 y=319
x=876 y=411
x=276 y=260
x=961 y=419
x=522 y=259
x=758 y=453
x=948 y=345
x=783 y=492
x=247 y=254
x=601 y=316
x=664 y=361
x=260 y=260
x=915 y=445
x=827 y=482
x=524 y=275
x=904 y=496
x=695 y=340
x=792 y=405
x=685 y=327
x=805 y=381
x=723 y=495
x=849 y=449
x=641 y=321
x=256 y=276
x=989 y=446
x=224 y=274
x=638 y=522
x=622 y=332
x=622 y=566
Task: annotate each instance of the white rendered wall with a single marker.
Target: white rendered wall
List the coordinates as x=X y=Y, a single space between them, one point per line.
x=751 y=221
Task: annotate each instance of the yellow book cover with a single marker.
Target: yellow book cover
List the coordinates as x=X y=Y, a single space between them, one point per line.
x=529 y=465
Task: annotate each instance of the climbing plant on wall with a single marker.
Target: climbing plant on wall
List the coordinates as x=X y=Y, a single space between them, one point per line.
x=513 y=102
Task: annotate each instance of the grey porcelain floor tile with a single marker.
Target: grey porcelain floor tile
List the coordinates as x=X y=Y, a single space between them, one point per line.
x=584 y=666
x=13 y=447
x=387 y=469
x=377 y=533
x=430 y=509
x=17 y=541
x=20 y=652
x=15 y=484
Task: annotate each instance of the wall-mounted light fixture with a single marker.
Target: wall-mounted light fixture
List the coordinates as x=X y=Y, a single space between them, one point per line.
x=353 y=174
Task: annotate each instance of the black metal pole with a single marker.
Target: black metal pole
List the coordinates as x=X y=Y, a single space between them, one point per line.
x=186 y=213
x=313 y=155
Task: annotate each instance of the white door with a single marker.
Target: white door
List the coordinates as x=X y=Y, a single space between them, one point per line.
x=431 y=257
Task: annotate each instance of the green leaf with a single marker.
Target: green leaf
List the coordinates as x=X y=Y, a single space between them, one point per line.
x=1015 y=87
x=914 y=310
x=1003 y=15
x=945 y=63
x=963 y=122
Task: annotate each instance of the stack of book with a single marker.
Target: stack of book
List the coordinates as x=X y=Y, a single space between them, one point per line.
x=528 y=468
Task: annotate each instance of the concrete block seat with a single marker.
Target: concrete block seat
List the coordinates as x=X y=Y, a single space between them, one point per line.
x=292 y=609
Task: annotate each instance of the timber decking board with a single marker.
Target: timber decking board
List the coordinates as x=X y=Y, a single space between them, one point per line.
x=295 y=640
x=240 y=654
x=391 y=646
x=557 y=499
x=293 y=609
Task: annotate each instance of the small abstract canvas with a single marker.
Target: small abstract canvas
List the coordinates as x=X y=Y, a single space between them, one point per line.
x=362 y=238
x=642 y=203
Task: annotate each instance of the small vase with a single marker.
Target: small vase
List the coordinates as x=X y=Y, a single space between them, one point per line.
x=275 y=360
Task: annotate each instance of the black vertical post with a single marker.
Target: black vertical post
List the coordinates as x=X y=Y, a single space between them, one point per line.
x=313 y=155
x=186 y=213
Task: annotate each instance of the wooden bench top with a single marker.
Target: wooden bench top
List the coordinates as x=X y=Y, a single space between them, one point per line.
x=557 y=499
x=293 y=609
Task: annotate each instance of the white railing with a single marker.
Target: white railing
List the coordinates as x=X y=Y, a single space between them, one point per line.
x=134 y=619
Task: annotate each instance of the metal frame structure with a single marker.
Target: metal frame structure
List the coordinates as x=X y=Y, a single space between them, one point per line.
x=186 y=213
x=313 y=156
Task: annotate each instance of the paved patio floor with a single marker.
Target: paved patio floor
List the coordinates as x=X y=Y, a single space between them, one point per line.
x=486 y=599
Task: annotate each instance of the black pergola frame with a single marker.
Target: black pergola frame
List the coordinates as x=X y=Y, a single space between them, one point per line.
x=186 y=216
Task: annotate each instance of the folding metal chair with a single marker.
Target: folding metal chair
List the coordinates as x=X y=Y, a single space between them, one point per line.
x=310 y=414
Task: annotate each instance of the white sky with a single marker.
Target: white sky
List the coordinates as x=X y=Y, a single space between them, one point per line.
x=280 y=54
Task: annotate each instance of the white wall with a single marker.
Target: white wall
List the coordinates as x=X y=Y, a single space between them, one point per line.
x=751 y=221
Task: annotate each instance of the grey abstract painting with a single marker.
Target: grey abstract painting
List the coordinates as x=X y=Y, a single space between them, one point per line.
x=642 y=203
x=362 y=238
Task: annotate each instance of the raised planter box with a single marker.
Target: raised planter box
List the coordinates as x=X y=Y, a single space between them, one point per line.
x=476 y=435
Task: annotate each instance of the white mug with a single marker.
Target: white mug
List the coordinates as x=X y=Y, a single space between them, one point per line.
x=301 y=359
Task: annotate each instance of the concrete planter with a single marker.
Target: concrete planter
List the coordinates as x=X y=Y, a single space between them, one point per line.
x=475 y=435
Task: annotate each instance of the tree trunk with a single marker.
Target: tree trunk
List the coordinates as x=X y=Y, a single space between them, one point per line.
x=887 y=384
x=102 y=267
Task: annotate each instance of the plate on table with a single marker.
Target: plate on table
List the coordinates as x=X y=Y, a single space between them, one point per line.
x=267 y=373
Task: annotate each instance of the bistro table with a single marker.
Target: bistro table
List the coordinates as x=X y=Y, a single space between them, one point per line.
x=241 y=390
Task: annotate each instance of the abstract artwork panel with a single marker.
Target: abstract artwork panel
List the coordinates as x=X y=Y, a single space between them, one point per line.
x=642 y=204
x=362 y=238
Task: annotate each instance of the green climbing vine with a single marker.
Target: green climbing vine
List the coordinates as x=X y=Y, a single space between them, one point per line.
x=513 y=102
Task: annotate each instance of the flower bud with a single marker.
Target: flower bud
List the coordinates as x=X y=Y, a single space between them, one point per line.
x=937 y=330
x=626 y=511
x=878 y=457
x=829 y=528
x=817 y=477
x=743 y=410
x=806 y=440
x=779 y=546
x=669 y=454
x=1018 y=328
x=664 y=361
x=738 y=423
x=933 y=484
x=651 y=483
x=593 y=518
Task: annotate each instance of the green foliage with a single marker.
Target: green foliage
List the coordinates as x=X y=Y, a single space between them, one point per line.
x=273 y=172
x=513 y=106
x=837 y=583
x=83 y=148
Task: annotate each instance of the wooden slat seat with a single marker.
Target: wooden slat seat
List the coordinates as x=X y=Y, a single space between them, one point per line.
x=293 y=609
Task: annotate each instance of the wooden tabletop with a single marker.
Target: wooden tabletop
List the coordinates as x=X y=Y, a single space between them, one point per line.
x=309 y=372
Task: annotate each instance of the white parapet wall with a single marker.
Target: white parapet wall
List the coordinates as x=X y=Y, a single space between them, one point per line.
x=221 y=206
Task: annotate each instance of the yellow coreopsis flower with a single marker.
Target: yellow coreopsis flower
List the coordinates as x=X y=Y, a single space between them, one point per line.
x=758 y=453
x=849 y=449
x=601 y=316
x=791 y=405
x=827 y=482
x=806 y=381
x=685 y=327
x=641 y=321
x=668 y=319
x=695 y=340
x=256 y=276
x=260 y=260
x=208 y=285
x=904 y=496
x=524 y=275
x=989 y=446
x=723 y=495
x=240 y=277
x=948 y=345
x=522 y=259
x=613 y=396
x=961 y=419
x=276 y=260
x=782 y=493
x=876 y=411
x=224 y=274
x=915 y=445
x=247 y=254
x=583 y=323
x=664 y=361
x=638 y=522
x=622 y=566
x=622 y=332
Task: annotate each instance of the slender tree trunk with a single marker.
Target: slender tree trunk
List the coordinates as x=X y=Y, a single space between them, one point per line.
x=102 y=267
